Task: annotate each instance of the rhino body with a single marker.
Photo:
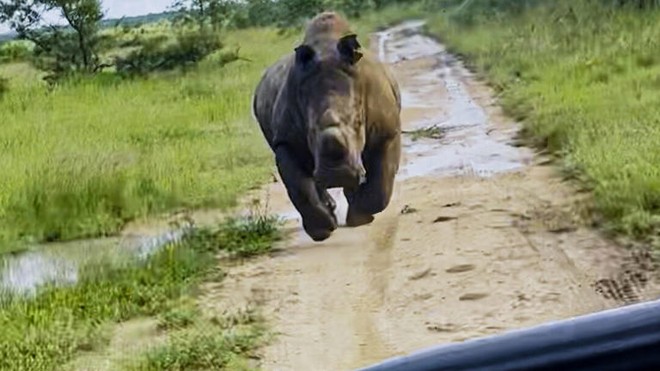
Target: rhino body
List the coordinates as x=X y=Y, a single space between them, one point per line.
x=330 y=112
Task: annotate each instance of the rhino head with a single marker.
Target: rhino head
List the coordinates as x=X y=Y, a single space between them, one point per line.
x=327 y=95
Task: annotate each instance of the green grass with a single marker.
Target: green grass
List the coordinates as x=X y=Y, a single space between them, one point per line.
x=207 y=344
x=89 y=156
x=178 y=317
x=585 y=81
x=61 y=322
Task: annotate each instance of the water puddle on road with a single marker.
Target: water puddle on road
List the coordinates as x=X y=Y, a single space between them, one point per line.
x=59 y=263
x=466 y=146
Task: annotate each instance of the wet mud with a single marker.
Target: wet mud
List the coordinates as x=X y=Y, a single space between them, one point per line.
x=465 y=146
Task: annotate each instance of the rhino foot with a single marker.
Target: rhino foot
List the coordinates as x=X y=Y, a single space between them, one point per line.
x=356 y=219
x=320 y=233
x=321 y=226
x=329 y=203
x=325 y=197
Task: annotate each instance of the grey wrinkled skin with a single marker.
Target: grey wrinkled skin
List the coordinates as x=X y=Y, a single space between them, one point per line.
x=330 y=112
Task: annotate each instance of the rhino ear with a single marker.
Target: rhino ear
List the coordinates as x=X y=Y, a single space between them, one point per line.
x=304 y=55
x=348 y=47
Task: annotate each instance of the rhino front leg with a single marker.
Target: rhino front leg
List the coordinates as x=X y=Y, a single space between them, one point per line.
x=374 y=196
x=318 y=220
x=327 y=200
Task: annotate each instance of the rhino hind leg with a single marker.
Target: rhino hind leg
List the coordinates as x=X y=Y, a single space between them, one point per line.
x=318 y=219
x=374 y=196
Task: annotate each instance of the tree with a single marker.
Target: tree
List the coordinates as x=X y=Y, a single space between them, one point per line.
x=355 y=8
x=293 y=12
x=59 y=49
x=187 y=49
x=261 y=12
x=204 y=12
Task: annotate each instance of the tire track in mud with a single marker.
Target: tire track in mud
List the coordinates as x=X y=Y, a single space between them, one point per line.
x=479 y=238
x=379 y=263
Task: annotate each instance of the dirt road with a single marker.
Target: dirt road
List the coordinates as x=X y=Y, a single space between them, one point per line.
x=481 y=237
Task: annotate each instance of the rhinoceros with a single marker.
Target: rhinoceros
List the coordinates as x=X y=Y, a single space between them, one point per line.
x=330 y=112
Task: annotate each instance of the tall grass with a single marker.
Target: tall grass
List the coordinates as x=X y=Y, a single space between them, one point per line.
x=87 y=157
x=584 y=77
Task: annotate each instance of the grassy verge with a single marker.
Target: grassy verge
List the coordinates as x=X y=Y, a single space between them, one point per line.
x=225 y=343
x=86 y=158
x=61 y=323
x=584 y=78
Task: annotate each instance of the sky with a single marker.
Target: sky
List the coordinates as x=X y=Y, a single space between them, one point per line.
x=120 y=8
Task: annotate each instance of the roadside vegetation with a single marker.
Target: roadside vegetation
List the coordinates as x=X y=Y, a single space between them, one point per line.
x=89 y=156
x=60 y=323
x=583 y=77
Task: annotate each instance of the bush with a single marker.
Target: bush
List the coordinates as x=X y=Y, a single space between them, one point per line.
x=14 y=51
x=260 y=13
x=64 y=57
x=161 y=54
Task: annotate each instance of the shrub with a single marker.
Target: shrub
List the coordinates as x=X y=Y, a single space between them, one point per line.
x=14 y=51
x=161 y=54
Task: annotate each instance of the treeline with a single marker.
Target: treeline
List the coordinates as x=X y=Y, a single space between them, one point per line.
x=80 y=46
x=194 y=31
x=195 y=27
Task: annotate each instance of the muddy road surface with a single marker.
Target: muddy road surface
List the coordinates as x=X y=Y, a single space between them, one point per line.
x=481 y=237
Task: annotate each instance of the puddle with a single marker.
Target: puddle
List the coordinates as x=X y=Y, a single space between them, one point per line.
x=466 y=147
x=60 y=263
